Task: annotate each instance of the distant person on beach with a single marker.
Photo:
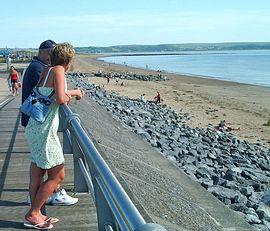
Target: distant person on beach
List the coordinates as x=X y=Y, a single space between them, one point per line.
x=142 y=98
x=157 y=98
x=225 y=127
x=117 y=80
x=122 y=84
x=108 y=78
x=14 y=79
x=46 y=153
x=30 y=80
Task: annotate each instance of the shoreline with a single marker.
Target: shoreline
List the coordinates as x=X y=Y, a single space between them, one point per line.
x=207 y=101
x=94 y=57
x=214 y=76
x=191 y=75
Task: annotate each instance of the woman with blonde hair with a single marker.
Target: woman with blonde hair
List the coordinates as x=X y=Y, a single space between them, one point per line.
x=46 y=153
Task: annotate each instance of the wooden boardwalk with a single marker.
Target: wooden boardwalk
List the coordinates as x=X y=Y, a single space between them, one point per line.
x=14 y=179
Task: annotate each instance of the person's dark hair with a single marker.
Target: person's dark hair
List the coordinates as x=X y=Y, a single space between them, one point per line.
x=62 y=54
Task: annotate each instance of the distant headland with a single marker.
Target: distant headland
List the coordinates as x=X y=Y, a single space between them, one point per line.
x=164 y=48
x=167 y=48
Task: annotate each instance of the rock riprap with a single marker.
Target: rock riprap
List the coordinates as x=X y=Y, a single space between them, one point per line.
x=123 y=76
x=235 y=171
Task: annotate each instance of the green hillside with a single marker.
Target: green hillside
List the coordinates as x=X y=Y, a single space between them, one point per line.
x=168 y=48
x=175 y=47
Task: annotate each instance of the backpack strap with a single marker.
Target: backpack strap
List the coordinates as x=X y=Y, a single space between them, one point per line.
x=50 y=95
x=45 y=81
x=46 y=78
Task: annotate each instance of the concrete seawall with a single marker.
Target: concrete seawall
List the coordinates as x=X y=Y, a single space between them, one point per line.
x=161 y=191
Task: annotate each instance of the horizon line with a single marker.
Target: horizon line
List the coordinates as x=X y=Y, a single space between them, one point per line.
x=188 y=43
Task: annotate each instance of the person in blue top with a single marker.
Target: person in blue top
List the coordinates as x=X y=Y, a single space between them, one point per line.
x=30 y=79
x=33 y=71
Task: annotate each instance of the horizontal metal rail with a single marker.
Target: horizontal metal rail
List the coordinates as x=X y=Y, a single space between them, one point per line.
x=87 y=178
x=5 y=102
x=115 y=210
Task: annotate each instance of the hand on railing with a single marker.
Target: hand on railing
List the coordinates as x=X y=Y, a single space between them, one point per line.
x=80 y=93
x=69 y=96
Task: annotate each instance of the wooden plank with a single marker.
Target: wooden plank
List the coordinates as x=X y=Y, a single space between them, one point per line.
x=14 y=180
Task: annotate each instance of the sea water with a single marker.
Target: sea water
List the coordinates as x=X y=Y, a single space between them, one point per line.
x=245 y=66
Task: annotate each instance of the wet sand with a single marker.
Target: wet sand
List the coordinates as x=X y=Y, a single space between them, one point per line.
x=207 y=101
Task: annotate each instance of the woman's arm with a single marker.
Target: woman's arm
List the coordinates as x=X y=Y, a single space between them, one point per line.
x=58 y=74
x=78 y=92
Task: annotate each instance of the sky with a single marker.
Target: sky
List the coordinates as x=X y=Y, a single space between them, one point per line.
x=83 y=23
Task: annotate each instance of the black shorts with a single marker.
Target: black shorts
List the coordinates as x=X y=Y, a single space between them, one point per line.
x=14 y=81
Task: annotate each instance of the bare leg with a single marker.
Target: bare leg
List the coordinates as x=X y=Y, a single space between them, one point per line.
x=13 y=88
x=55 y=177
x=36 y=178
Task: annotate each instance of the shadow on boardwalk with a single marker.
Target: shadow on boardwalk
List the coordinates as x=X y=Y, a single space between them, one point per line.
x=14 y=179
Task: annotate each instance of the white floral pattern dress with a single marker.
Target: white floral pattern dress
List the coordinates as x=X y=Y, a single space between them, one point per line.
x=45 y=147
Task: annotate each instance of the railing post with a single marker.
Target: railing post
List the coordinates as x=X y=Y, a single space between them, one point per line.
x=70 y=145
x=67 y=145
x=104 y=213
x=80 y=184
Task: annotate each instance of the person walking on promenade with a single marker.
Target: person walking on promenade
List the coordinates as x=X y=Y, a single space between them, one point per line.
x=30 y=79
x=8 y=61
x=157 y=98
x=9 y=85
x=14 y=79
x=46 y=153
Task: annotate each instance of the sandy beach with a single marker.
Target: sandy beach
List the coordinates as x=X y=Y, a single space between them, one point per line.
x=207 y=101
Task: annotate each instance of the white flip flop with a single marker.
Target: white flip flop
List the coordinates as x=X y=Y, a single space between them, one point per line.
x=43 y=225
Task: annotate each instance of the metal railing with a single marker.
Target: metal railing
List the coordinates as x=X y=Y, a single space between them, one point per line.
x=6 y=101
x=115 y=210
